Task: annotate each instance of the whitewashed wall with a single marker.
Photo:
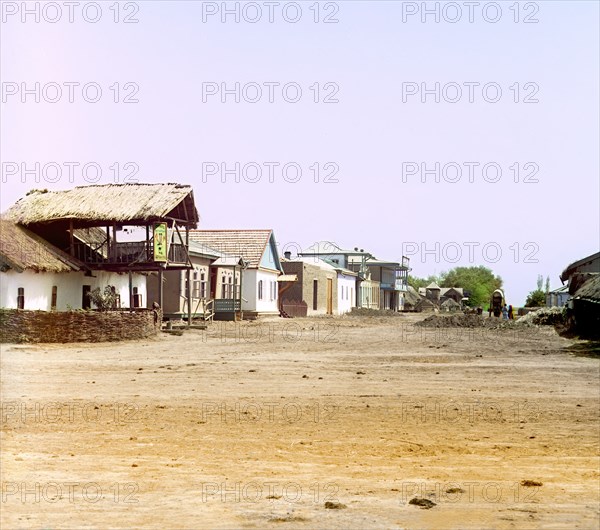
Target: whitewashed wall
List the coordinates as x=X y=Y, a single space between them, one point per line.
x=269 y=303
x=346 y=291
x=38 y=288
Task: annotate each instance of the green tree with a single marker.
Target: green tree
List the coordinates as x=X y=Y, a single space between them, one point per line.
x=479 y=281
x=540 y=282
x=536 y=298
x=416 y=282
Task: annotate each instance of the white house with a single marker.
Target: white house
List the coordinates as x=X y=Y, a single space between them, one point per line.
x=346 y=282
x=36 y=275
x=258 y=250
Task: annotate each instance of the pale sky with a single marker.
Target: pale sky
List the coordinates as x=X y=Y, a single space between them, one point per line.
x=374 y=138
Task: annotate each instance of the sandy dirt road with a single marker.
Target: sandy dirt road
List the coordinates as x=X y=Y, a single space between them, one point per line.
x=260 y=425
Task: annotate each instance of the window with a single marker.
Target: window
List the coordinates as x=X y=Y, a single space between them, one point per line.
x=230 y=288
x=137 y=298
x=315 y=293
x=260 y=289
x=21 y=298
x=275 y=290
x=202 y=285
x=54 y=297
x=86 y=303
x=223 y=288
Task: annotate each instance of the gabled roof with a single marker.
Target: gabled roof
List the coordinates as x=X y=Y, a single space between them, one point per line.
x=433 y=285
x=249 y=244
x=22 y=250
x=220 y=258
x=108 y=203
x=563 y=289
x=445 y=290
x=199 y=249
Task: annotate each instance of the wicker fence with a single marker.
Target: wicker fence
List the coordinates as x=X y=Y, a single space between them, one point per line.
x=18 y=326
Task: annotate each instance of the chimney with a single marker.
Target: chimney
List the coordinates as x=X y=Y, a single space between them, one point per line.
x=287 y=255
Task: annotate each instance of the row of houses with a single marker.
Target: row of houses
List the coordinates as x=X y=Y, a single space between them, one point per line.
x=142 y=240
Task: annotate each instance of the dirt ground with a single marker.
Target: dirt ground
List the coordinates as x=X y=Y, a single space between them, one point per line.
x=303 y=423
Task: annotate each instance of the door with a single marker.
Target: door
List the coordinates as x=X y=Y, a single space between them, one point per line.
x=329 y=296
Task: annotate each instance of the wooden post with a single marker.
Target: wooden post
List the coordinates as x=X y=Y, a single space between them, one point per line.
x=240 y=296
x=114 y=242
x=160 y=289
x=149 y=257
x=71 y=240
x=130 y=291
x=189 y=275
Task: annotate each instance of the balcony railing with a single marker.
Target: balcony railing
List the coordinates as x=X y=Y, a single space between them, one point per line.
x=126 y=253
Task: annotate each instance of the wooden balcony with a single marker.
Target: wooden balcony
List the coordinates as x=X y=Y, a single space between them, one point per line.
x=135 y=254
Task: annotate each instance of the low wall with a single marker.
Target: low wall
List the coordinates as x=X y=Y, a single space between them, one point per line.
x=18 y=326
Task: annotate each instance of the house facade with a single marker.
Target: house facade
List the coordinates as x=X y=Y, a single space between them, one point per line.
x=349 y=263
x=327 y=289
x=393 y=282
x=558 y=297
x=214 y=277
x=259 y=278
x=346 y=287
x=35 y=275
x=316 y=285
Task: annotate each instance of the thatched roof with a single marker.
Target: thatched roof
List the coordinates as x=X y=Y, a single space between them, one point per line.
x=22 y=250
x=450 y=304
x=588 y=264
x=411 y=296
x=589 y=288
x=105 y=204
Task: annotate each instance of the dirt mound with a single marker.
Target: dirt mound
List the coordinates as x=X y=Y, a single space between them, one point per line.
x=463 y=321
x=545 y=316
x=364 y=312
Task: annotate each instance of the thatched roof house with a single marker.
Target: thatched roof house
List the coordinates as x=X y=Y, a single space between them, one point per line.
x=21 y=249
x=588 y=264
x=98 y=205
x=89 y=232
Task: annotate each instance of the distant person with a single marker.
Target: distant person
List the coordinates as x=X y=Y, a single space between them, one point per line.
x=505 y=312
x=511 y=315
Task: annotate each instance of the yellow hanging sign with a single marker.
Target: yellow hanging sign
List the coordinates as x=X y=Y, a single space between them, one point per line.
x=160 y=242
